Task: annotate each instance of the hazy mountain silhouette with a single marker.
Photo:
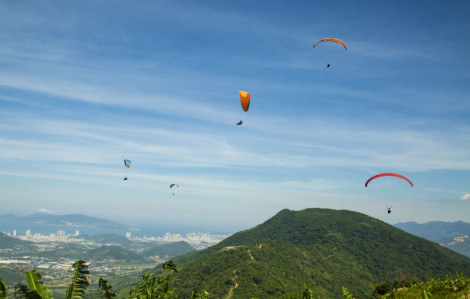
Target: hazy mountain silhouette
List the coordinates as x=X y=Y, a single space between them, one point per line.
x=453 y=235
x=47 y=223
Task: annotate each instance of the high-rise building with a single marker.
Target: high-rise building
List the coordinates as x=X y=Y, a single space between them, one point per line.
x=14 y=233
x=28 y=233
x=128 y=235
x=77 y=233
x=60 y=233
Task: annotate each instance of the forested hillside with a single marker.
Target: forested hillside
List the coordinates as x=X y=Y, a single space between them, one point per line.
x=327 y=248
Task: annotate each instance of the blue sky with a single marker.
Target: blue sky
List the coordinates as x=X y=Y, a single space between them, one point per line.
x=86 y=84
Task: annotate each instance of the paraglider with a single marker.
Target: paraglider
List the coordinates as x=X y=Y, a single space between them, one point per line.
x=389 y=208
x=245 y=99
x=174 y=185
x=127 y=163
x=331 y=40
x=389 y=174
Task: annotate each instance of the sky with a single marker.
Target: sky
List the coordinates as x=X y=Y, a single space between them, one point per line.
x=87 y=84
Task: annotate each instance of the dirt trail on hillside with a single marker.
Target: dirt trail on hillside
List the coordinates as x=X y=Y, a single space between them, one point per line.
x=234 y=277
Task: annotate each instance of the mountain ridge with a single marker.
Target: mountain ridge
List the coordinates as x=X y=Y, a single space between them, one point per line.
x=326 y=248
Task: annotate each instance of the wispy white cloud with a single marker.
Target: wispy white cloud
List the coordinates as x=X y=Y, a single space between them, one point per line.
x=466 y=196
x=78 y=97
x=322 y=143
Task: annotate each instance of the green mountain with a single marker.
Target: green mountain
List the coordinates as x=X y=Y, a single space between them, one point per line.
x=9 y=242
x=169 y=250
x=327 y=248
x=112 y=253
x=74 y=220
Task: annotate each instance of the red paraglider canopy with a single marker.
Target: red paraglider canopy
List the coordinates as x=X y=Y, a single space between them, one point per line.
x=389 y=174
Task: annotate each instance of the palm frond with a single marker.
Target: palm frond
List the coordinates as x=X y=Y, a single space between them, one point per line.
x=80 y=281
x=36 y=284
x=308 y=293
x=3 y=289
x=105 y=289
x=23 y=292
x=170 y=265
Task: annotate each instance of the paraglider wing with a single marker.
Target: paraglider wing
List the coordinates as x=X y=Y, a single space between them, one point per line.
x=239 y=123
x=245 y=98
x=177 y=186
x=389 y=174
x=331 y=40
x=127 y=163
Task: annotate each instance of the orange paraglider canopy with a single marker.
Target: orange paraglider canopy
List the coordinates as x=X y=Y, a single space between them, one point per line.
x=331 y=40
x=389 y=174
x=245 y=100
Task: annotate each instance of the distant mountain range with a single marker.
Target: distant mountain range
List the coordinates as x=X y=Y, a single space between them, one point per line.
x=436 y=230
x=453 y=235
x=47 y=223
x=327 y=248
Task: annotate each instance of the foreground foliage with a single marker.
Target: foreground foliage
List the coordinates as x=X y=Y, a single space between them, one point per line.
x=156 y=286
x=458 y=287
x=80 y=281
x=159 y=285
x=105 y=289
